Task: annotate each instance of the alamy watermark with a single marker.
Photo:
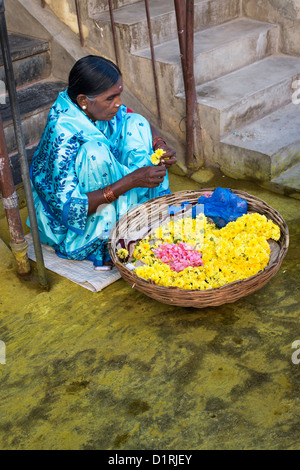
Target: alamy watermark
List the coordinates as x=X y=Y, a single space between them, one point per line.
x=2 y=353
x=146 y=220
x=296 y=354
x=296 y=94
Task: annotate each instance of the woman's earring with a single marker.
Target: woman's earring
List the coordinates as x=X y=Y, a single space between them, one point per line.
x=83 y=107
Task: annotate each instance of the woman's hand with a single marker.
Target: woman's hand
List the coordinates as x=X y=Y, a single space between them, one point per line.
x=169 y=158
x=145 y=177
x=148 y=176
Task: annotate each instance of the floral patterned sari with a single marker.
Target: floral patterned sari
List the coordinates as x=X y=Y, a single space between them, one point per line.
x=76 y=156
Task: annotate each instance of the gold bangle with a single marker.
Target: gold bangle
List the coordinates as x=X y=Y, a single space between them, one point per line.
x=108 y=194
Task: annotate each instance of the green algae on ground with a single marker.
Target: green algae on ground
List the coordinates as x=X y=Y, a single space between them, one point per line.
x=118 y=370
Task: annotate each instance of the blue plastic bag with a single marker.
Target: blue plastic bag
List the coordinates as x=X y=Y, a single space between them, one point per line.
x=223 y=206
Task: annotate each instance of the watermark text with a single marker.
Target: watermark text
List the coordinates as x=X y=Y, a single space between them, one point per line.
x=2 y=352
x=296 y=94
x=296 y=354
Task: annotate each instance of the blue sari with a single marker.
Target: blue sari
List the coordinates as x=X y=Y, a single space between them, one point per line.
x=76 y=156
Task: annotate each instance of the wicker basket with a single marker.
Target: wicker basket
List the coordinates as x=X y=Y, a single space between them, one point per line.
x=135 y=226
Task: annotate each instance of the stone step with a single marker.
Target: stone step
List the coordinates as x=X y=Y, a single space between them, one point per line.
x=219 y=50
x=250 y=93
x=15 y=164
x=287 y=182
x=265 y=149
x=131 y=20
x=31 y=60
x=34 y=102
x=95 y=7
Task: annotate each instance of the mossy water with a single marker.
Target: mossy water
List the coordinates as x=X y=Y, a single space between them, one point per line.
x=118 y=370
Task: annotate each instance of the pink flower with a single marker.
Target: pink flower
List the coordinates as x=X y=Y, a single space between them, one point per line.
x=178 y=256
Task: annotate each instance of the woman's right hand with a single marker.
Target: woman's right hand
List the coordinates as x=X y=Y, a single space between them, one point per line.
x=148 y=176
x=145 y=177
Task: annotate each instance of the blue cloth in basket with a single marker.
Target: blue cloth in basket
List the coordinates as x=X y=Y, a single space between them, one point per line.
x=222 y=206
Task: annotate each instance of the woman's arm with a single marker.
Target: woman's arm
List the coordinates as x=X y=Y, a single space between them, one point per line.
x=145 y=177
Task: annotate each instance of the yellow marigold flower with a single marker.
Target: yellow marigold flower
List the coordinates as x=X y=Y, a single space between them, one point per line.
x=122 y=254
x=155 y=160
x=156 y=156
x=160 y=152
x=237 y=251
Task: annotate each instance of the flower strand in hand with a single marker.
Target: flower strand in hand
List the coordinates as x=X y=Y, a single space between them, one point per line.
x=156 y=156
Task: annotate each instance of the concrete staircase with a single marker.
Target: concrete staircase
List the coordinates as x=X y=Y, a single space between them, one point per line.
x=244 y=85
x=36 y=92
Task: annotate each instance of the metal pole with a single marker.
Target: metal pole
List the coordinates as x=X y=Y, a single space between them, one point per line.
x=79 y=23
x=196 y=159
x=153 y=63
x=21 y=146
x=185 y=29
x=112 y=21
x=181 y=30
x=18 y=243
x=189 y=99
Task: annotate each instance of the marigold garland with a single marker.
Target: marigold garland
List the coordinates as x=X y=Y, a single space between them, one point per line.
x=156 y=156
x=237 y=251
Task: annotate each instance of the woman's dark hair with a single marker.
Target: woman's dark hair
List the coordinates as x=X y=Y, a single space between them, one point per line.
x=91 y=76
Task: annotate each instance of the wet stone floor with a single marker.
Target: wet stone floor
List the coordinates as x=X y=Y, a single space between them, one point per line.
x=119 y=370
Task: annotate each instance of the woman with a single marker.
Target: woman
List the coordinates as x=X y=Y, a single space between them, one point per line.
x=93 y=163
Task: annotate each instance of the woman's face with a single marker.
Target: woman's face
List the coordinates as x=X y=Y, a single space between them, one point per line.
x=105 y=106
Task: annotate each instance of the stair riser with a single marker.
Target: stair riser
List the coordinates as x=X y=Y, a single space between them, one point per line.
x=256 y=106
x=285 y=159
x=215 y=12
x=210 y=65
x=288 y=182
x=164 y=27
x=30 y=69
x=95 y=7
x=241 y=163
x=136 y=36
x=244 y=164
x=245 y=51
x=15 y=164
x=32 y=126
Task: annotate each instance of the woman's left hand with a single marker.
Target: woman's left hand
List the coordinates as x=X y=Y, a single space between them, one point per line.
x=169 y=158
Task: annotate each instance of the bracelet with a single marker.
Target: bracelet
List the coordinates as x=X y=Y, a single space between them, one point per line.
x=109 y=194
x=156 y=140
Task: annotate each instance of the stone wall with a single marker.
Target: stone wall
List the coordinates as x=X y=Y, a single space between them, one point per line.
x=66 y=11
x=97 y=39
x=286 y=13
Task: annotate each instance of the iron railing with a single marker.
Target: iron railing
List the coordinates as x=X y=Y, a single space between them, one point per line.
x=15 y=110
